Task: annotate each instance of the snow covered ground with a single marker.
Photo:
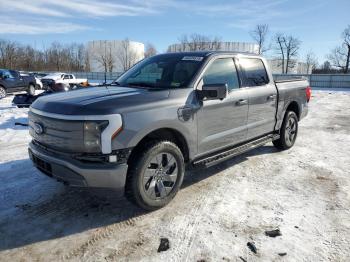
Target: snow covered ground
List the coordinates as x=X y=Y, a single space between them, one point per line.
x=305 y=192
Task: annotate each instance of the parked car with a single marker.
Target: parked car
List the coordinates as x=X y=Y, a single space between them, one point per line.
x=61 y=78
x=11 y=81
x=167 y=113
x=38 y=83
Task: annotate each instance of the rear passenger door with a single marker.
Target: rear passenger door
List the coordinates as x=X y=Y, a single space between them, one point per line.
x=222 y=123
x=262 y=94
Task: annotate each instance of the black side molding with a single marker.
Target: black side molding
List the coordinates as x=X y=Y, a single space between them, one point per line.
x=224 y=155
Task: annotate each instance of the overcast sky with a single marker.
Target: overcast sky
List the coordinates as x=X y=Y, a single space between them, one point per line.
x=317 y=23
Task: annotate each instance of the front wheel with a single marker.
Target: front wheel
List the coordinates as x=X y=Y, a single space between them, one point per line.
x=288 y=132
x=2 y=92
x=155 y=175
x=31 y=90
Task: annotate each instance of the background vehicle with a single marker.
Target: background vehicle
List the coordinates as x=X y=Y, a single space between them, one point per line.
x=11 y=81
x=38 y=83
x=25 y=100
x=61 y=78
x=169 y=111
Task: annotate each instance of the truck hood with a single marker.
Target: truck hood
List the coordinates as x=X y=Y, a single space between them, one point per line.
x=99 y=100
x=52 y=77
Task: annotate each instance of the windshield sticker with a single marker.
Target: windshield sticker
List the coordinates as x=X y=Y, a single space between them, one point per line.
x=192 y=58
x=175 y=84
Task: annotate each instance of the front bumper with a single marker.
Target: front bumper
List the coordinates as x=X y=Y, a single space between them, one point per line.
x=77 y=173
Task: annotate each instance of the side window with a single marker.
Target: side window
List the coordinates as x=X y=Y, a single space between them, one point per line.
x=222 y=71
x=13 y=74
x=253 y=72
x=6 y=74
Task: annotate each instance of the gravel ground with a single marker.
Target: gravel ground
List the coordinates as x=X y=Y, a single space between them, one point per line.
x=304 y=192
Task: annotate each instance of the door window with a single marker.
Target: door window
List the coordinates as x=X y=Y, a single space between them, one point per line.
x=5 y=74
x=13 y=74
x=222 y=71
x=253 y=71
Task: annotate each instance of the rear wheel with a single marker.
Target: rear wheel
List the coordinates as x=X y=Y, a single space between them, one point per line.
x=155 y=175
x=2 y=92
x=288 y=132
x=31 y=90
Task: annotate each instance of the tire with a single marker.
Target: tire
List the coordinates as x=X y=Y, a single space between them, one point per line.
x=288 y=131
x=2 y=92
x=31 y=90
x=155 y=175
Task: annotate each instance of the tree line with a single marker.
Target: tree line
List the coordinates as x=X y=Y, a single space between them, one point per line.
x=56 y=57
x=74 y=57
x=287 y=48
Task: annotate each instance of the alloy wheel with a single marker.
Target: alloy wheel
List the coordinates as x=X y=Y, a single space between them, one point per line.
x=291 y=130
x=160 y=176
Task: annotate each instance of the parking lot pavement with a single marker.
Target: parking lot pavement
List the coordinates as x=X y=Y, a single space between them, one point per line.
x=303 y=192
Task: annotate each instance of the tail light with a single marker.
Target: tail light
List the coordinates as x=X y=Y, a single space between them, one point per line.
x=308 y=93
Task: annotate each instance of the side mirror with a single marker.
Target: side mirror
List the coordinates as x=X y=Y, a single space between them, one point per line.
x=213 y=91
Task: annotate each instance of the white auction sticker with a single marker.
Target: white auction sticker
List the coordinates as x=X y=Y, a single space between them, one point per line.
x=193 y=58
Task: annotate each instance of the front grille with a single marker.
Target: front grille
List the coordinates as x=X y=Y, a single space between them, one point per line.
x=62 y=135
x=42 y=165
x=47 y=83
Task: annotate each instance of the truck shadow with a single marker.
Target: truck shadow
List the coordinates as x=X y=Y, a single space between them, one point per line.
x=35 y=208
x=11 y=123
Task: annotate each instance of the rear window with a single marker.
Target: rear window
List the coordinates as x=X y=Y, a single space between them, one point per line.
x=253 y=72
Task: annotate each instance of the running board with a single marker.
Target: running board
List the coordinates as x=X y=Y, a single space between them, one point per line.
x=222 y=156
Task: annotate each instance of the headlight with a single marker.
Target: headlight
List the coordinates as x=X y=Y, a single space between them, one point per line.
x=92 y=135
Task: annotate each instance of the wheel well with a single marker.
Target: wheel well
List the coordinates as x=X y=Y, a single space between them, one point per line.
x=31 y=83
x=164 y=134
x=293 y=106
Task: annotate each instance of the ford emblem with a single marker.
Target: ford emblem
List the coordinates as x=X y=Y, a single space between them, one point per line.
x=38 y=128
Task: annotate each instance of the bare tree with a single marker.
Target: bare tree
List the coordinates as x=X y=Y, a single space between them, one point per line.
x=197 y=42
x=259 y=35
x=288 y=48
x=127 y=55
x=104 y=56
x=340 y=56
x=292 y=46
x=311 y=61
x=280 y=41
x=8 y=53
x=150 y=50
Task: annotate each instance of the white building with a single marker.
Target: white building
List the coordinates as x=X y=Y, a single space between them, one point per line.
x=222 y=46
x=116 y=55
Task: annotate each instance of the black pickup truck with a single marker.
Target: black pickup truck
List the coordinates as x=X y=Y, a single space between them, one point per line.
x=12 y=81
x=169 y=112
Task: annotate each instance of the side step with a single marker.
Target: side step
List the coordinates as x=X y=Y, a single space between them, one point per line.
x=224 y=155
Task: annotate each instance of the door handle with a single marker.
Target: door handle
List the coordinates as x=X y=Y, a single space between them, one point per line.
x=271 y=97
x=242 y=102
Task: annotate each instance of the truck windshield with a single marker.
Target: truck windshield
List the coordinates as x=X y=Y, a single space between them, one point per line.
x=163 y=71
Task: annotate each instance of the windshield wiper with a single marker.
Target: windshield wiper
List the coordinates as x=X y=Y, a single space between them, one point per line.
x=114 y=83
x=140 y=84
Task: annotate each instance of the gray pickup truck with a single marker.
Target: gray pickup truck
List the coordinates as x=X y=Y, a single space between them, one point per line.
x=167 y=113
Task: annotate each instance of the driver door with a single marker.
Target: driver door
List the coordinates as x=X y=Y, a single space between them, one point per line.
x=222 y=123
